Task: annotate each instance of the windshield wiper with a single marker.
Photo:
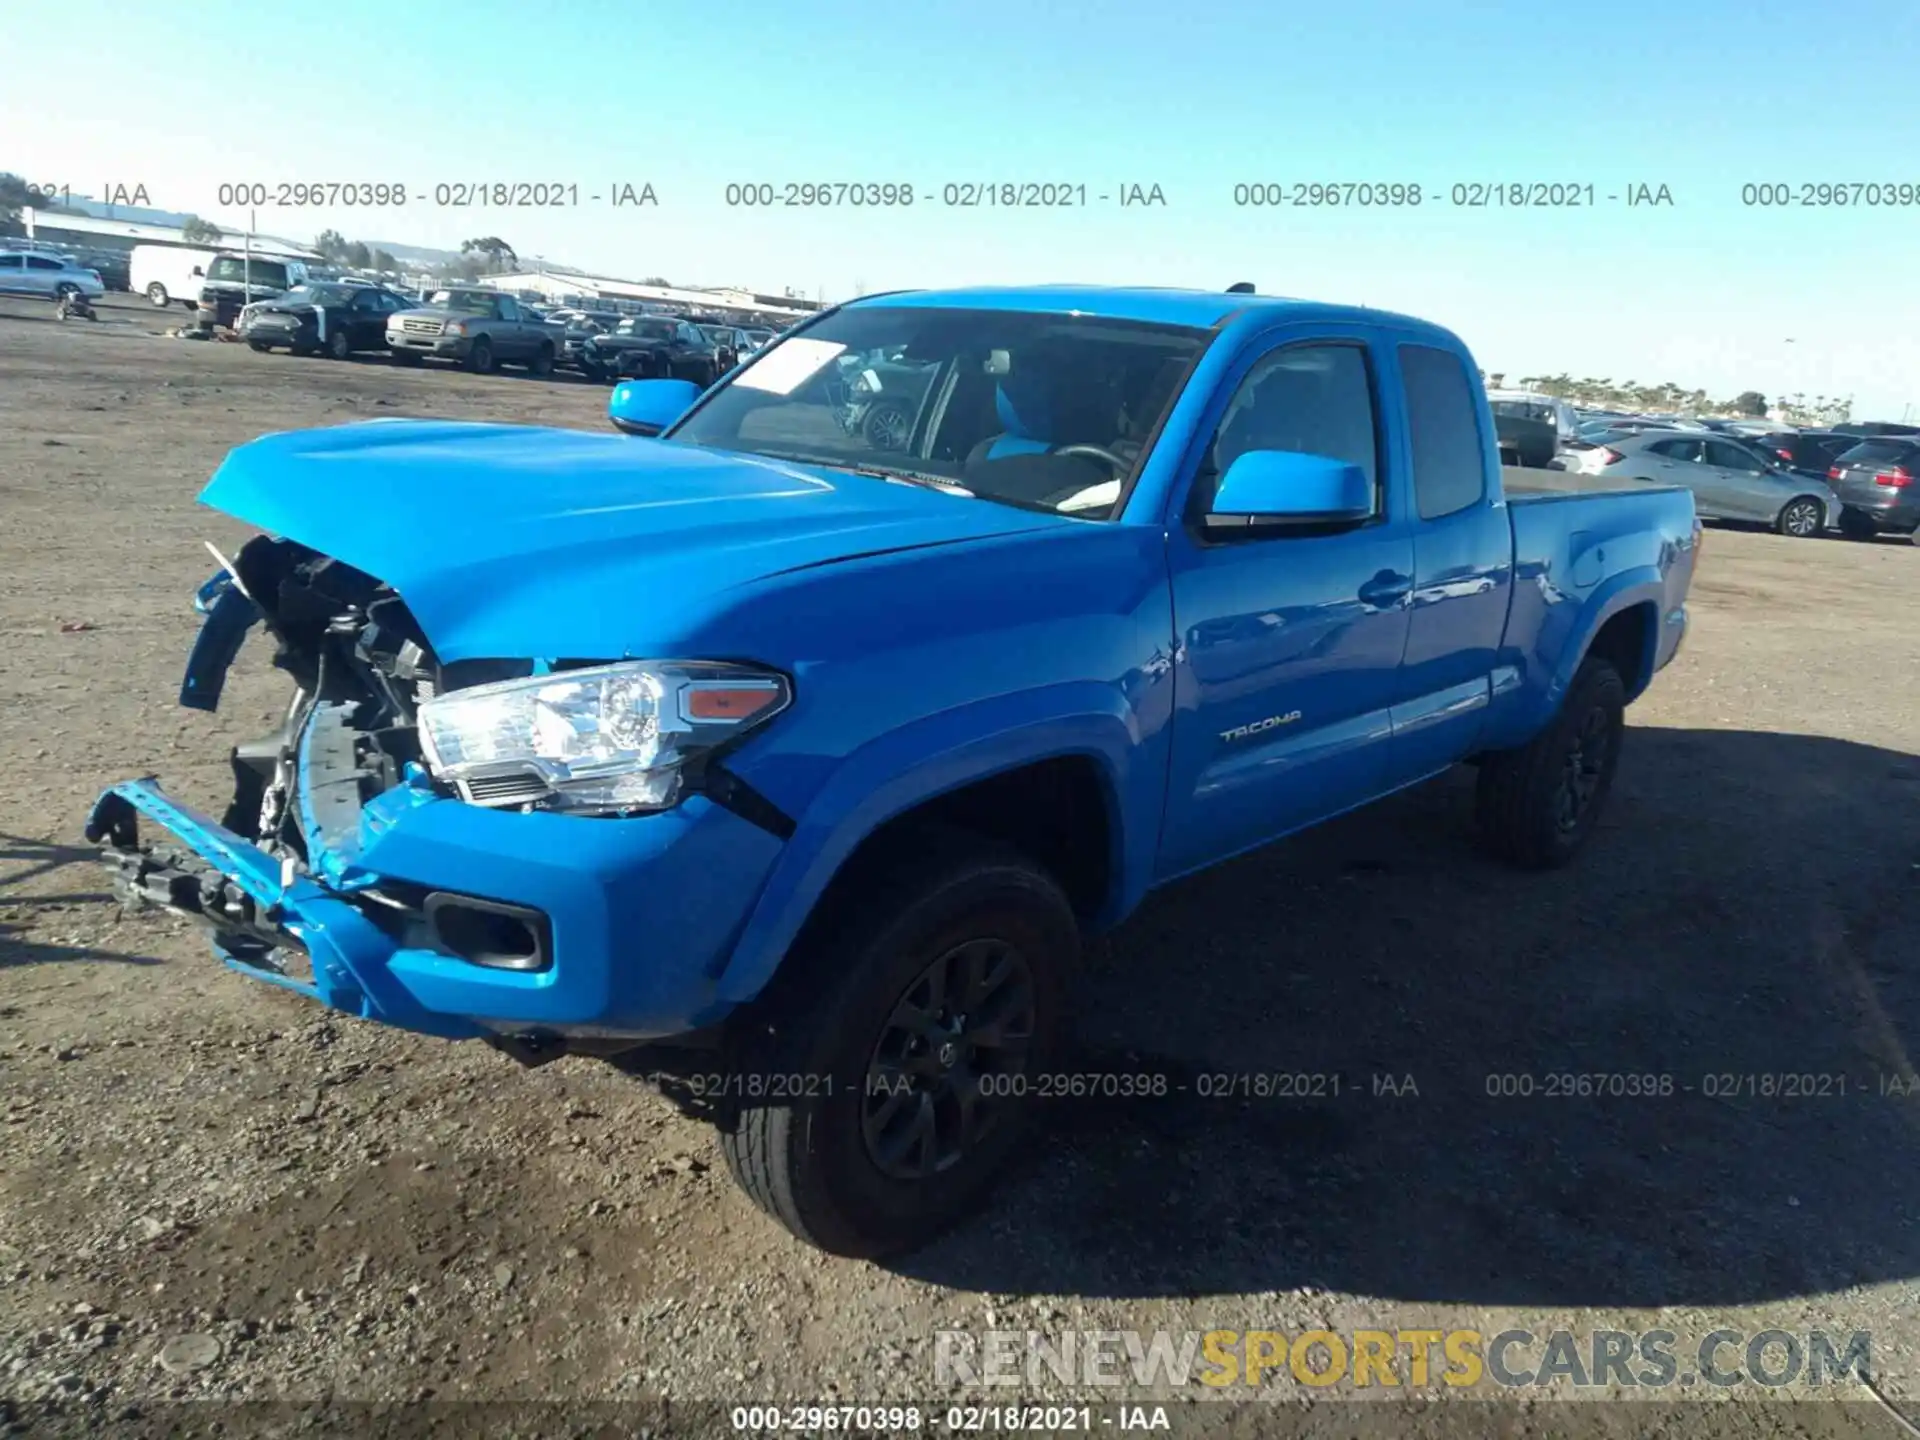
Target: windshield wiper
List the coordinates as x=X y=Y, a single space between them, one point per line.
x=878 y=472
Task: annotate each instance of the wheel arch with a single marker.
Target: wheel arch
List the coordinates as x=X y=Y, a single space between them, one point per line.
x=1056 y=790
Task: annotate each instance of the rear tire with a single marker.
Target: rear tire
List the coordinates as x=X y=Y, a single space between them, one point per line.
x=157 y=296
x=258 y=347
x=339 y=345
x=1856 y=526
x=1801 y=519
x=542 y=363
x=853 y=1155
x=1537 y=805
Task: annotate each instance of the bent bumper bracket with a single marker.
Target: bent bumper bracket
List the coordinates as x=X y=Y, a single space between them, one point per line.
x=256 y=905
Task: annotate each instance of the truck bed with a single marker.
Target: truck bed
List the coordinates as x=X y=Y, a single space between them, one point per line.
x=1524 y=481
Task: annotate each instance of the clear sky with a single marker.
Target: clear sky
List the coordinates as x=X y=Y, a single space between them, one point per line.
x=1194 y=96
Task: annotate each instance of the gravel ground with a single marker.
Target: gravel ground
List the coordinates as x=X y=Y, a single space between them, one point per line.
x=209 y=1190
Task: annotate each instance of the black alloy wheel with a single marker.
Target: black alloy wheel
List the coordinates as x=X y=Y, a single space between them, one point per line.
x=948 y=1060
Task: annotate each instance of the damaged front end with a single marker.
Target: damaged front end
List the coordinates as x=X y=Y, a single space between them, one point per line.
x=277 y=878
x=466 y=903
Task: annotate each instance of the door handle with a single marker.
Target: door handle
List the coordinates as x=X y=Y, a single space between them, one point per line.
x=1386 y=590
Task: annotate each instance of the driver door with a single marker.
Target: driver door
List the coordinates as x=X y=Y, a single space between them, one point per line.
x=1289 y=641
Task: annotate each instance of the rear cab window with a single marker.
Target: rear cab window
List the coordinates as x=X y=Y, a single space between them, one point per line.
x=1443 y=425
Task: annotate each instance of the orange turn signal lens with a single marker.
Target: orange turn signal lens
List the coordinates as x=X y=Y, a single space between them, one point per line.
x=723 y=701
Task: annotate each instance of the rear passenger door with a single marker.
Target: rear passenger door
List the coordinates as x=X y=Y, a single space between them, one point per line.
x=1462 y=567
x=1683 y=461
x=1747 y=488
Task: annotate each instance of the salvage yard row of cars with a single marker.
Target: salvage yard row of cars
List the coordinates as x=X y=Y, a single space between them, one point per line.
x=481 y=328
x=1858 y=479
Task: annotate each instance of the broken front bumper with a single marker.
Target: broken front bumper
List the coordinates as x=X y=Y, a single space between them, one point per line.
x=448 y=919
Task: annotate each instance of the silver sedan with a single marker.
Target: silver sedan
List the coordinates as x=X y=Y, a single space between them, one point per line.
x=1729 y=481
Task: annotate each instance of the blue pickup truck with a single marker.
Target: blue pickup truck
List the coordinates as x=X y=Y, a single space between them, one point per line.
x=821 y=759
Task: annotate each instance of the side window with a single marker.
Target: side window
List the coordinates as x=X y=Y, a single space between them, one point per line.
x=1691 y=451
x=506 y=309
x=12 y=263
x=1443 y=422
x=1730 y=457
x=1312 y=398
x=41 y=262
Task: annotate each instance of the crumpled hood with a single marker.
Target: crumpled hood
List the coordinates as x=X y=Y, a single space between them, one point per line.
x=521 y=542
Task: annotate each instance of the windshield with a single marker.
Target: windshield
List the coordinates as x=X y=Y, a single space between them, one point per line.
x=646 y=329
x=259 y=272
x=466 y=302
x=319 y=295
x=981 y=402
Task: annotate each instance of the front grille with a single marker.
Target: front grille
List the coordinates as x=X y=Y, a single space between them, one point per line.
x=421 y=327
x=502 y=789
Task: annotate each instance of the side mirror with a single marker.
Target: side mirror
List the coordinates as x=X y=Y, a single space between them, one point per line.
x=198 y=271
x=1290 y=487
x=646 y=407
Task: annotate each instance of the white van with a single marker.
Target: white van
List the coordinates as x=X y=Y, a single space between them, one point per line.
x=166 y=273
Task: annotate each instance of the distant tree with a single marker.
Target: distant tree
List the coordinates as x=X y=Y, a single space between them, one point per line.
x=384 y=260
x=1750 y=402
x=331 y=244
x=196 y=231
x=660 y=280
x=493 y=247
x=358 y=257
x=466 y=268
x=17 y=195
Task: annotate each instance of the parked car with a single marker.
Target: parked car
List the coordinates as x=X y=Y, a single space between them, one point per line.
x=730 y=344
x=476 y=327
x=322 y=317
x=1870 y=428
x=1526 y=440
x=885 y=390
x=1810 y=452
x=754 y=738
x=1531 y=405
x=653 y=346
x=235 y=280
x=1876 y=482
x=166 y=274
x=22 y=273
x=1729 y=480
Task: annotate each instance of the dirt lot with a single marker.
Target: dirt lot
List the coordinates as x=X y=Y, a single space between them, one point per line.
x=349 y=1213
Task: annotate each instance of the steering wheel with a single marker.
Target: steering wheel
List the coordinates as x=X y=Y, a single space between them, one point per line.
x=1095 y=452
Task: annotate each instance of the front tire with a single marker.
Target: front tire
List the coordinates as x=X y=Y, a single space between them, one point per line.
x=1537 y=805
x=894 y=1037
x=404 y=357
x=258 y=347
x=480 y=357
x=1801 y=519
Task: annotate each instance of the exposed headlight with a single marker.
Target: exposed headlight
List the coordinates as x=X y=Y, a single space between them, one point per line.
x=609 y=738
x=454 y=327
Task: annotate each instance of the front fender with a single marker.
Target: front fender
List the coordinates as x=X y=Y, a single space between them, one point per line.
x=906 y=767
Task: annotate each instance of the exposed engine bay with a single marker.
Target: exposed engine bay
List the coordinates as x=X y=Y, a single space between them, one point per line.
x=353 y=652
